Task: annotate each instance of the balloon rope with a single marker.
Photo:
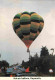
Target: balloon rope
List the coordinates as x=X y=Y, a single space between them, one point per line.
x=28 y=52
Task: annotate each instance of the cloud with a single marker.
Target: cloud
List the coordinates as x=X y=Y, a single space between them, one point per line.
x=50 y=22
x=6 y=30
x=13 y=45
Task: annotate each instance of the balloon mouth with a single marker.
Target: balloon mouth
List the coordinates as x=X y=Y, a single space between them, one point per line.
x=27 y=43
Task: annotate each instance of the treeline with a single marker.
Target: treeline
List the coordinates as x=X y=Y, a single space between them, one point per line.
x=4 y=63
x=3 y=67
x=41 y=64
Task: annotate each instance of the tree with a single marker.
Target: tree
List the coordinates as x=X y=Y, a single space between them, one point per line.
x=25 y=64
x=43 y=64
x=44 y=51
x=0 y=64
x=36 y=55
x=34 y=62
x=5 y=63
x=36 y=58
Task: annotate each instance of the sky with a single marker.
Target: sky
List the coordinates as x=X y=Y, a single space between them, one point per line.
x=12 y=49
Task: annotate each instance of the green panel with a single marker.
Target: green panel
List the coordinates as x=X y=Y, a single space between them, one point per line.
x=16 y=23
x=25 y=29
x=19 y=33
x=41 y=19
x=36 y=36
x=24 y=19
x=32 y=37
x=34 y=27
x=17 y=16
x=35 y=17
x=26 y=38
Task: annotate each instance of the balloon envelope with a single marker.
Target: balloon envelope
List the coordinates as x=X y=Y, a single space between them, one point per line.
x=28 y=26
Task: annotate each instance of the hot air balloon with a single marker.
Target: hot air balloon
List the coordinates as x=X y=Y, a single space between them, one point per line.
x=27 y=26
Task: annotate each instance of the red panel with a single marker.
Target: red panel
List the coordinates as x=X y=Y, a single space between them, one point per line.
x=27 y=43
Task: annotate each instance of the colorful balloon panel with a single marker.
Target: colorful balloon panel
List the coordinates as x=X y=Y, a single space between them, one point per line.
x=28 y=26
